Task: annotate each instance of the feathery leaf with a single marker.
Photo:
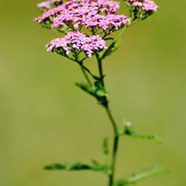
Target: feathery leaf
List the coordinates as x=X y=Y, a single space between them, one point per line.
x=128 y=130
x=141 y=175
x=77 y=167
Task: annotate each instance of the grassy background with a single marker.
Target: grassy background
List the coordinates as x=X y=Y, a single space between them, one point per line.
x=44 y=118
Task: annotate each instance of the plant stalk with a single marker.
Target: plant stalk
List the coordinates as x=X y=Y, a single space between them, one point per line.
x=114 y=126
x=86 y=76
x=115 y=147
x=111 y=174
x=101 y=75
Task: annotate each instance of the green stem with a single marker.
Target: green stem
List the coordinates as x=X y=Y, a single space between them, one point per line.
x=111 y=175
x=115 y=147
x=101 y=76
x=86 y=76
x=83 y=67
x=87 y=70
x=114 y=126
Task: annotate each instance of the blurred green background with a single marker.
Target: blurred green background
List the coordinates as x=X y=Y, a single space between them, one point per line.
x=44 y=118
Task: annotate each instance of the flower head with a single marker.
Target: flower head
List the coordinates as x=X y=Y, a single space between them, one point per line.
x=110 y=22
x=90 y=20
x=46 y=5
x=81 y=6
x=146 y=5
x=76 y=42
x=150 y=6
x=89 y=13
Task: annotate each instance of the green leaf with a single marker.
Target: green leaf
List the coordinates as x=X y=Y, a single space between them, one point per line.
x=96 y=166
x=77 y=167
x=67 y=166
x=141 y=175
x=95 y=90
x=128 y=130
x=88 y=89
x=112 y=48
x=105 y=146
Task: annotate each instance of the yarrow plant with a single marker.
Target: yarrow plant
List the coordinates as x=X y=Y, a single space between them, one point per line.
x=87 y=28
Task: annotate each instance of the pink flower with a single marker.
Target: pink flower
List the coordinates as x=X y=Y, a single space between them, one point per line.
x=80 y=8
x=146 y=5
x=150 y=6
x=48 y=4
x=90 y=19
x=44 y=4
x=76 y=41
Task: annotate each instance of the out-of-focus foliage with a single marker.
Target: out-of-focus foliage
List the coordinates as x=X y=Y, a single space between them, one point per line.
x=136 y=177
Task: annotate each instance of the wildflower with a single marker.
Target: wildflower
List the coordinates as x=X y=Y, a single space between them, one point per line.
x=76 y=13
x=150 y=6
x=90 y=20
x=146 y=5
x=110 y=22
x=76 y=42
x=45 y=5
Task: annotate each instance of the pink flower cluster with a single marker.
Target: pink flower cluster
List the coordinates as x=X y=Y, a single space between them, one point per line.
x=78 y=42
x=109 y=22
x=45 y=5
x=88 y=13
x=146 y=5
